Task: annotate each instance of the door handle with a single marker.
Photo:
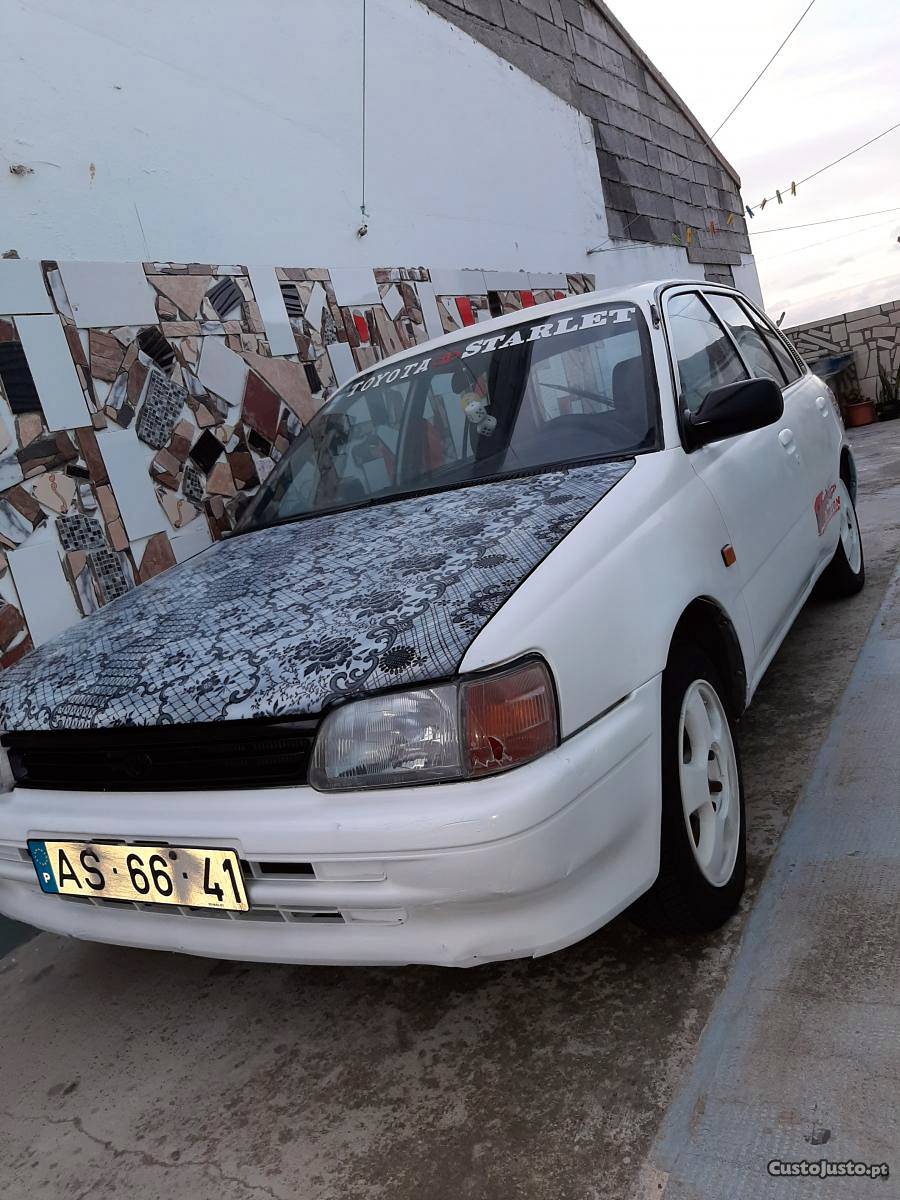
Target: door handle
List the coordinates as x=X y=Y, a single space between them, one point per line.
x=822 y=405
x=786 y=437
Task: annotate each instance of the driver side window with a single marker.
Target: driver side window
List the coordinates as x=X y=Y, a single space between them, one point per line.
x=704 y=352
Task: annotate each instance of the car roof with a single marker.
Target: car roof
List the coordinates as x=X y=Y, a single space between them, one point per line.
x=638 y=293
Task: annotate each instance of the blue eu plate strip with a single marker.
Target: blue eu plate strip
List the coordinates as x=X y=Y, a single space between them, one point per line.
x=41 y=860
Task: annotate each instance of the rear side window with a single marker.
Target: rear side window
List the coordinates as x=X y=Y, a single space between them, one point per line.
x=754 y=349
x=779 y=348
x=704 y=352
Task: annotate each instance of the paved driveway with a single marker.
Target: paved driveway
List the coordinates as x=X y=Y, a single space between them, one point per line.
x=131 y=1074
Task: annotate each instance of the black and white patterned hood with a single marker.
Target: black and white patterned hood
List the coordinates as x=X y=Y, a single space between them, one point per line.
x=291 y=619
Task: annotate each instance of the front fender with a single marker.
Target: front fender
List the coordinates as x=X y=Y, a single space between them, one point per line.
x=603 y=606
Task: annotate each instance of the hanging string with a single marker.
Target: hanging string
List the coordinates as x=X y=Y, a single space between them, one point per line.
x=362 y=208
x=827 y=167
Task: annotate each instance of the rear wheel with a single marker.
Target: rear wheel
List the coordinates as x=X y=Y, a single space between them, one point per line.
x=845 y=575
x=703 y=838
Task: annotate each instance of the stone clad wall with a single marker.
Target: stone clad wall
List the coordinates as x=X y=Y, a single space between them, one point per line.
x=658 y=172
x=871 y=335
x=140 y=402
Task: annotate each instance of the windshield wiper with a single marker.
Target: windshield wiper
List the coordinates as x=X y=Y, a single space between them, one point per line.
x=303 y=516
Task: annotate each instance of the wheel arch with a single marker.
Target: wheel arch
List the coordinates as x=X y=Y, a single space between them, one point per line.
x=847 y=471
x=706 y=624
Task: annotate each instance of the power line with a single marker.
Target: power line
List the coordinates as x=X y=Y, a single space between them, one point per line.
x=831 y=221
x=765 y=68
x=825 y=241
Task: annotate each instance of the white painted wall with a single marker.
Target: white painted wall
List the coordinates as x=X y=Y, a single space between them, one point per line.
x=746 y=279
x=641 y=263
x=220 y=131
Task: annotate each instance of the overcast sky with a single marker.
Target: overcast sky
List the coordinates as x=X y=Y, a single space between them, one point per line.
x=836 y=84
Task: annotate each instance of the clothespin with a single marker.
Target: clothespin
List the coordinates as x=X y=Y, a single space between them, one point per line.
x=778 y=194
x=793 y=189
x=712 y=228
x=765 y=201
x=676 y=238
x=690 y=235
x=729 y=220
x=750 y=212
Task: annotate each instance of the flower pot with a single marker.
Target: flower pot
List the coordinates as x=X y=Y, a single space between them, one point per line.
x=862 y=413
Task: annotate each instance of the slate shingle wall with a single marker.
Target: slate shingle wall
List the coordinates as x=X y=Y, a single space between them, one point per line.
x=658 y=175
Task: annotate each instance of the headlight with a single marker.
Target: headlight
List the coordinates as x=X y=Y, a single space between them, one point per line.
x=449 y=731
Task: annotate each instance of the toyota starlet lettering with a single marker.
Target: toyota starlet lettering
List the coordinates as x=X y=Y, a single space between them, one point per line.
x=466 y=680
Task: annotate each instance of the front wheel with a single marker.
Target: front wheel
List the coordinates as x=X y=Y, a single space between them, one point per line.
x=703 y=839
x=845 y=575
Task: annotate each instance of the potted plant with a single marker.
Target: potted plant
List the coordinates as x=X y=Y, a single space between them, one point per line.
x=858 y=410
x=887 y=402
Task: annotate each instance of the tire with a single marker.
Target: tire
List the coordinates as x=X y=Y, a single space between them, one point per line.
x=845 y=575
x=688 y=896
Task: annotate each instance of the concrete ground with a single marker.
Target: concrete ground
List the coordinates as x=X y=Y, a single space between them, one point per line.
x=800 y=1061
x=140 y=1074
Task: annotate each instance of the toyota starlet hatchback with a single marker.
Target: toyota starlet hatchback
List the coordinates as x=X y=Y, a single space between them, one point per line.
x=464 y=683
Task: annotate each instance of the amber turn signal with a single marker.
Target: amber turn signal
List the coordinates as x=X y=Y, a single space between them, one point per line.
x=508 y=719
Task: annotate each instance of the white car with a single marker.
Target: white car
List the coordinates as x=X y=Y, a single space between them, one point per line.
x=464 y=684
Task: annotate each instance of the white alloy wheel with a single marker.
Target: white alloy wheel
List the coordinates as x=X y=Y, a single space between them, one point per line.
x=850 y=538
x=710 y=790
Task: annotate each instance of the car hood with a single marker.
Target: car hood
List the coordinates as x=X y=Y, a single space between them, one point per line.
x=290 y=619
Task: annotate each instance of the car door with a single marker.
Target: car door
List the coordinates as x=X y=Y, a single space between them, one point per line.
x=757 y=479
x=811 y=410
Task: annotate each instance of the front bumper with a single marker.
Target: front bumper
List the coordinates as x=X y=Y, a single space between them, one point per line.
x=453 y=874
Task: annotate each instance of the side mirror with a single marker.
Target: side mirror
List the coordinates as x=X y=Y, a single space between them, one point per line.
x=736 y=408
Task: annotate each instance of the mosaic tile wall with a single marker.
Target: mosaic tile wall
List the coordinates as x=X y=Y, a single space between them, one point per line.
x=141 y=403
x=871 y=335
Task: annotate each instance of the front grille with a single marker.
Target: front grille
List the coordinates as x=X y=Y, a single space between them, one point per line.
x=224 y=754
x=304 y=916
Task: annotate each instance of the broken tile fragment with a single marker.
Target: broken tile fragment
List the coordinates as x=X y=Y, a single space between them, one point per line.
x=157 y=557
x=289 y=380
x=206 y=451
x=106 y=355
x=109 y=575
x=179 y=511
x=90 y=452
x=12 y=623
x=54 y=491
x=137 y=375
x=117 y=535
x=155 y=346
x=107 y=502
x=18 y=651
x=222 y=371
x=243 y=469
x=220 y=481
x=79 y=532
x=261 y=407
x=14 y=528
x=224 y=297
x=29 y=427
x=162 y=406
x=76 y=561
x=18 y=383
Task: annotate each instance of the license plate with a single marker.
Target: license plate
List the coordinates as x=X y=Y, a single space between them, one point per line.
x=195 y=877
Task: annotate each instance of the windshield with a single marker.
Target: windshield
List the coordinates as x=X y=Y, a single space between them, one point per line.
x=579 y=386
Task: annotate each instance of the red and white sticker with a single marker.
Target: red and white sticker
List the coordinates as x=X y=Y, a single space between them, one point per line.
x=826 y=505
